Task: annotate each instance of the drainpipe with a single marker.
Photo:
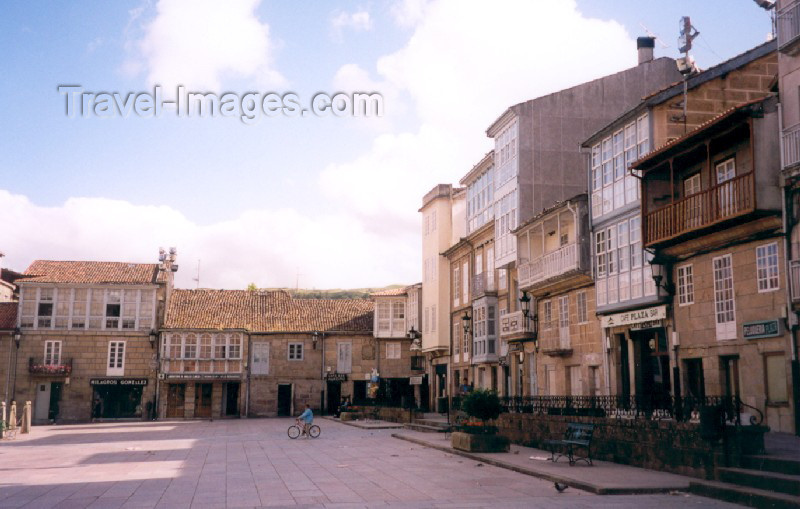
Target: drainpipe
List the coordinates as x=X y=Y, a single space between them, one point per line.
x=247 y=377
x=8 y=372
x=322 y=368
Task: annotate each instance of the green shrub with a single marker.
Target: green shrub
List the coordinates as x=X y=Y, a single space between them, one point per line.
x=482 y=404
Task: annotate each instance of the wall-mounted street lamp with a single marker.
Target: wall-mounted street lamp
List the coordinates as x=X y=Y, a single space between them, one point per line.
x=414 y=336
x=153 y=338
x=17 y=337
x=314 y=339
x=466 y=319
x=659 y=272
x=525 y=304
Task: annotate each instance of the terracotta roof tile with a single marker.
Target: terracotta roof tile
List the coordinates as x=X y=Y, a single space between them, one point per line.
x=47 y=271
x=259 y=311
x=390 y=293
x=8 y=315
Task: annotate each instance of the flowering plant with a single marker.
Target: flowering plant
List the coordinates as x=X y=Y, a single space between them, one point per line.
x=50 y=369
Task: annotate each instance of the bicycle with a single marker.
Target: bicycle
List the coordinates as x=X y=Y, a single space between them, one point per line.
x=295 y=430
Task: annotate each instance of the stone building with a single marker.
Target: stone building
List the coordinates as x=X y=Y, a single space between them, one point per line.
x=8 y=333
x=556 y=275
x=633 y=313
x=87 y=347
x=275 y=353
x=712 y=206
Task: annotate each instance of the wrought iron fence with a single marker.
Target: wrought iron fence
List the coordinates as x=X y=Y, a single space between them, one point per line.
x=654 y=407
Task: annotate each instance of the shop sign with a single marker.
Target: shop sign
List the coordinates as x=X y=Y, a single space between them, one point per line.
x=762 y=329
x=203 y=376
x=650 y=324
x=633 y=317
x=336 y=377
x=118 y=381
x=415 y=380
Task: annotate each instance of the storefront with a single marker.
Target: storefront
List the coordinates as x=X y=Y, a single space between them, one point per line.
x=201 y=396
x=117 y=398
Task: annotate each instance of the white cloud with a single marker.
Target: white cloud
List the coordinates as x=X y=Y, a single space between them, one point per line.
x=268 y=247
x=463 y=65
x=358 y=21
x=202 y=43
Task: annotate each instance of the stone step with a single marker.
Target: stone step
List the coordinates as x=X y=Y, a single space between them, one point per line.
x=432 y=422
x=424 y=427
x=768 y=463
x=774 y=481
x=744 y=495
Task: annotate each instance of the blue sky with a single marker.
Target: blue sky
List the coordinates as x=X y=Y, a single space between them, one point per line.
x=333 y=199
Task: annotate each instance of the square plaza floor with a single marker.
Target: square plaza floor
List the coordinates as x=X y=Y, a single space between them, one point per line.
x=253 y=463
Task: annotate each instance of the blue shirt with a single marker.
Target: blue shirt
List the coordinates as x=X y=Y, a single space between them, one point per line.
x=307 y=416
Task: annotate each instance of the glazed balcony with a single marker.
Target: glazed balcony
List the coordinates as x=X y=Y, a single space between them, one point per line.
x=550 y=265
x=38 y=366
x=788 y=24
x=202 y=366
x=791 y=146
x=515 y=326
x=731 y=199
x=482 y=284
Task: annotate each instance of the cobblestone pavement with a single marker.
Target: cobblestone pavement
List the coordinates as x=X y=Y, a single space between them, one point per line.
x=252 y=463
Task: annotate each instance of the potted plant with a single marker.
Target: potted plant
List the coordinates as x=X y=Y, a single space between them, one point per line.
x=476 y=435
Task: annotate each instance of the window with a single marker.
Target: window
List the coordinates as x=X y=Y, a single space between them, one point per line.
x=480 y=201
x=399 y=317
x=685 y=285
x=220 y=346
x=234 y=346
x=583 y=316
x=260 y=358
x=205 y=347
x=116 y=358
x=45 y=307
x=505 y=153
x=384 y=320
x=456 y=286
x=723 y=297
x=465 y=283
x=563 y=311
x=113 y=309
x=295 y=351
x=393 y=350
x=344 y=359
x=767 y=267
x=465 y=343
x=190 y=347
x=456 y=343
x=548 y=313
x=775 y=370
x=52 y=353
x=79 y=308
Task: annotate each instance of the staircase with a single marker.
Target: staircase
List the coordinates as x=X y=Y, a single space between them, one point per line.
x=766 y=480
x=430 y=423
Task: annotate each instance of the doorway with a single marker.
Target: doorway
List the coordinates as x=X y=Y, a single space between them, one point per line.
x=202 y=399
x=284 y=399
x=334 y=396
x=359 y=392
x=41 y=409
x=653 y=380
x=624 y=367
x=730 y=375
x=695 y=383
x=230 y=395
x=424 y=394
x=176 y=401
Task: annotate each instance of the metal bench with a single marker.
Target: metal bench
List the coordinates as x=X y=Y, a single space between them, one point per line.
x=576 y=436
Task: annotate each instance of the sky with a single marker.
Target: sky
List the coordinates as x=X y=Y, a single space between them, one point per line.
x=316 y=201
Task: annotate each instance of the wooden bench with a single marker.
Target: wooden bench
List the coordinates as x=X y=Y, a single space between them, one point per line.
x=576 y=436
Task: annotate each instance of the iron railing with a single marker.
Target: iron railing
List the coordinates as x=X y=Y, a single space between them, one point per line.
x=41 y=366
x=653 y=407
x=788 y=24
x=791 y=146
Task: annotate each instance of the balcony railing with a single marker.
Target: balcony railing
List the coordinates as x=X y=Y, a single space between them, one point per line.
x=682 y=409
x=515 y=324
x=794 y=274
x=791 y=146
x=718 y=203
x=555 y=340
x=39 y=367
x=788 y=27
x=550 y=265
x=483 y=283
x=217 y=366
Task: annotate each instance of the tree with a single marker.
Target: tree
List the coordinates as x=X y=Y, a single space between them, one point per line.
x=252 y=287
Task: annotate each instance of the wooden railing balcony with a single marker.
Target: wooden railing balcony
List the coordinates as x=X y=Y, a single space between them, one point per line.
x=788 y=25
x=516 y=325
x=483 y=283
x=550 y=265
x=216 y=366
x=791 y=146
x=730 y=199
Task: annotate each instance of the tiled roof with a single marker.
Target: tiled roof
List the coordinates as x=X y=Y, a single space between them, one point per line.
x=8 y=315
x=47 y=271
x=259 y=311
x=390 y=293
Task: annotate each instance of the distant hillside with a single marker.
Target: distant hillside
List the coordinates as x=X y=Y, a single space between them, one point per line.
x=336 y=293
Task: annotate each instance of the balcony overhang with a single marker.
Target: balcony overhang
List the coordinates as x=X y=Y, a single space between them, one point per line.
x=718 y=236
x=557 y=352
x=567 y=281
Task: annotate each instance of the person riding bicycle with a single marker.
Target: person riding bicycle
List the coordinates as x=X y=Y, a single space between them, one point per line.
x=307 y=417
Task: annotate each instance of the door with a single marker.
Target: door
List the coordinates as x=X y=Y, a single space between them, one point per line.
x=730 y=372
x=334 y=396
x=695 y=383
x=284 y=399
x=202 y=399
x=41 y=409
x=424 y=394
x=231 y=406
x=344 y=361
x=726 y=171
x=176 y=399
x=55 y=398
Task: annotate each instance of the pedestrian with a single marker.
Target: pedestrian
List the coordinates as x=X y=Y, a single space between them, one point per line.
x=465 y=387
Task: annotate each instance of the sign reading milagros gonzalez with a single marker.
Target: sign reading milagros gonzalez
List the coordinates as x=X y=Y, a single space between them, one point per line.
x=249 y=107
x=118 y=381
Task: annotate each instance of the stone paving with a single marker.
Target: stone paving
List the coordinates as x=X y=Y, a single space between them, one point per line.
x=252 y=463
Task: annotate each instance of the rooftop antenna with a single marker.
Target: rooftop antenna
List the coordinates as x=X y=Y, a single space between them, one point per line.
x=769 y=5
x=653 y=35
x=297 y=280
x=686 y=64
x=197 y=279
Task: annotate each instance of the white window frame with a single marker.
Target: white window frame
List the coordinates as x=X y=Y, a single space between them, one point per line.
x=724 y=297
x=685 y=285
x=344 y=364
x=299 y=347
x=582 y=308
x=52 y=353
x=767 y=275
x=115 y=366
x=393 y=350
x=263 y=366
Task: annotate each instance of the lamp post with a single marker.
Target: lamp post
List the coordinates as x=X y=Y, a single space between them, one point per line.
x=153 y=338
x=17 y=337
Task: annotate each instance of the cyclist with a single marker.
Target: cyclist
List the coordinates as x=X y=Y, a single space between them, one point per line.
x=308 y=419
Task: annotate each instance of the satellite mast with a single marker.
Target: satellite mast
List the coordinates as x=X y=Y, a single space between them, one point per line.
x=686 y=64
x=197 y=279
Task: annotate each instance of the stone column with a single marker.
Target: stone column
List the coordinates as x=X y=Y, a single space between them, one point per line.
x=12 y=416
x=26 y=418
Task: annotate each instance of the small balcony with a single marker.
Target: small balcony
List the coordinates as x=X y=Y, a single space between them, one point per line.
x=731 y=199
x=483 y=283
x=38 y=366
x=550 y=265
x=788 y=24
x=515 y=326
x=554 y=341
x=202 y=366
x=791 y=146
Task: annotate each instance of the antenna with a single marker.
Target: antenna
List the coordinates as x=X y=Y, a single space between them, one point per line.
x=686 y=64
x=297 y=280
x=653 y=35
x=769 y=5
x=197 y=279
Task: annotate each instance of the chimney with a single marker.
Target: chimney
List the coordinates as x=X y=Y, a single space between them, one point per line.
x=645 y=47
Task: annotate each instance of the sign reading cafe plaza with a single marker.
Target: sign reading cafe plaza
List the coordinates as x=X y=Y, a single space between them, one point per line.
x=634 y=317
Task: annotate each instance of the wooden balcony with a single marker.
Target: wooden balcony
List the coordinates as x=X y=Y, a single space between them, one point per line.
x=550 y=265
x=515 y=326
x=728 y=200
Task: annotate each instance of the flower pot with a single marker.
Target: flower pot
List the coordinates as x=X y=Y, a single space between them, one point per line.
x=479 y=443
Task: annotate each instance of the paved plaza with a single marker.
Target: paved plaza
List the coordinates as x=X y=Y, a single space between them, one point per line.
x=252 y=463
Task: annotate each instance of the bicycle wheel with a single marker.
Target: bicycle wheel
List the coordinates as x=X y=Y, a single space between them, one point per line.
x=293 y=431
x=314 y=431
